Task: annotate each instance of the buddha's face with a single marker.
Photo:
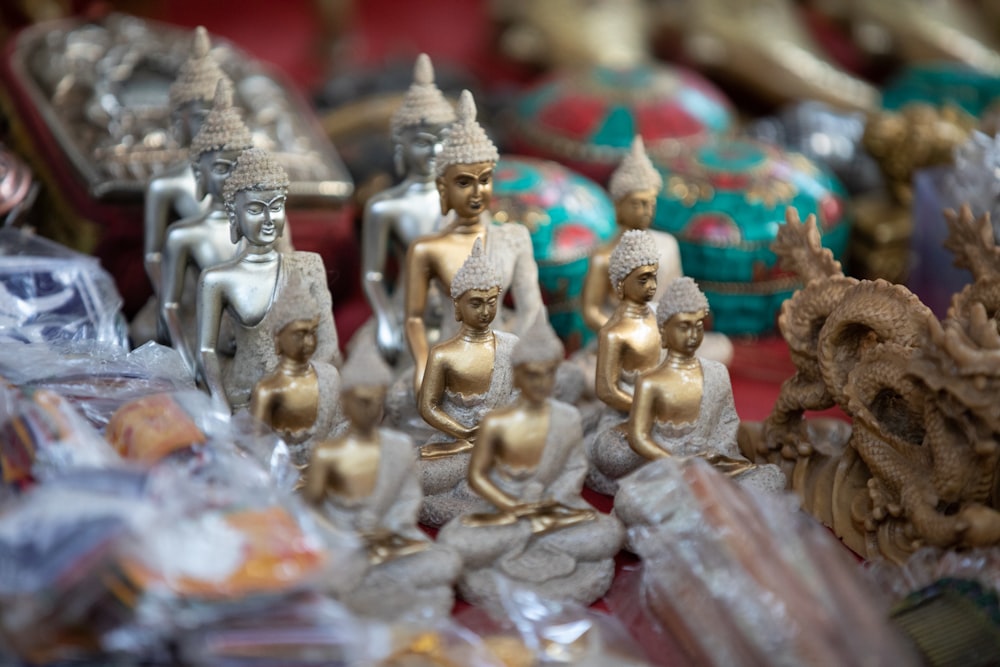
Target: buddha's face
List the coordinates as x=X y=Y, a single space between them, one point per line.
x=682 y=333
x=260 y=215
x=536 y=379
x=639 y=286
x=188 y=118
x=362 y=404
x=418 y=148
x=636 y=209
x=466 y=188
x=297 y=339
x=212 y=169
x=476 y=308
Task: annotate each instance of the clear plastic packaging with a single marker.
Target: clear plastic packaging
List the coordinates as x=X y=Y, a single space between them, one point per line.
x=535 y=631
x=42 y=435
x=931 y=564
x=225 y=543
x=58 y=542
x=49 y=293
x=157 y=426
x=96 y=377
x=738 y=578
x=303 y=631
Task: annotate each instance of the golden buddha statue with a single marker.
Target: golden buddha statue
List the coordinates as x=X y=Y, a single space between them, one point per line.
x=684 y=406
x=467 y=376
x=465 y=186
x=634 y=186
x=628 y=343
x=300 y=399
x=246 y=288
x=365 y=482
x=528 y=465
x=396 y=217
x=194 y=244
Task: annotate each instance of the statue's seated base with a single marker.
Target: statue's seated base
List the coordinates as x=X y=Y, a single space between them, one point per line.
x=418 y=585
x=609 y=453
x=575 y=563
x=446 y=489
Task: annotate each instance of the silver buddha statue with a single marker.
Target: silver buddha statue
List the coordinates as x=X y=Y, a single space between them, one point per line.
x=245 y=288
x=175 y=189
x=396 y=217
x=197 y=243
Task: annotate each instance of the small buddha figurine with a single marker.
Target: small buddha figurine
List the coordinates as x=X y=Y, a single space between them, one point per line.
x=245 y=288
x=465 y=185
x=300 y=399
x=365 y=482
x=628 y=343
x=467 y=376
x=196 y=243
x=634 y=186
x=528 y=465
x=683 y=407
x=396 y=217
x=175 y=189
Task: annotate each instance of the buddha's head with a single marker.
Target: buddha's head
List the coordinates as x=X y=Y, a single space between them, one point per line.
x=633 y=265
x=419 y=125
x=297 y=340
x=254 y=196
x=364 y=379
x=465 y=165
x=634 y=186
x=192 y=91
x=680 y=317
x=536 y=359
x=475 y=290
x=219 y=142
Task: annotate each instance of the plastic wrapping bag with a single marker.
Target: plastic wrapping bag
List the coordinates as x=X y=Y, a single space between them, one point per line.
x=49 y=293
x=97 y=378
x=948 y=603
x=157 y=426
x=225 y=542
x=304 y=631
x=57 y=544
x=537 y=632
x=41 y=434
x=738 y=578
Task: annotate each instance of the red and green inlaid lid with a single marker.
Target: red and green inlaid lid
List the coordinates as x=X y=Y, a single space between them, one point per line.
x=586 y=118
x=724 y=201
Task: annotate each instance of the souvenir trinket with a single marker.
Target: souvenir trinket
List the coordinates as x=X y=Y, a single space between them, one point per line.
x=724 y=202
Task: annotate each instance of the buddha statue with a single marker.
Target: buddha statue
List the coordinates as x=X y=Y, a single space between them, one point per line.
x=634 y=186
x=300 y=398
x=465 y=185
x=528 y=467
x=196 y=243
x=467 y=376
x=175 y=189
x=684 y=407
x=245 y=289
x=396 y=217
x=365 y=482
x=629 y=342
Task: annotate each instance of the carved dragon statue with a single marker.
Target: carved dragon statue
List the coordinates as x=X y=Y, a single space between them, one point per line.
x=919 y=463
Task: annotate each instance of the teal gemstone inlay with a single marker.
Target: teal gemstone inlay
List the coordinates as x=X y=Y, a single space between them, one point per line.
x=568 y=216
x=725 y=238
x=734 y=156
x=617 y=130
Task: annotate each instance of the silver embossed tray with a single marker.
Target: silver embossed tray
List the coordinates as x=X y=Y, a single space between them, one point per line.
x=102 y=89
